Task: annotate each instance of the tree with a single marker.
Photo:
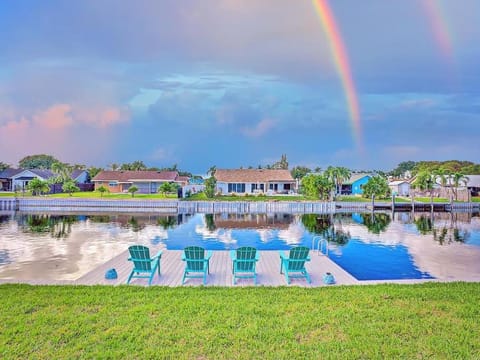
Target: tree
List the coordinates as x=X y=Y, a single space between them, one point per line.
x=402 y=168
x=210 y=187
x=62 y=173
x=211 y=171
x=70 y=187
x=93 y=171
x=317 y=186
x=376 y=186
x=282 y=164
x=165 y=188
x=102 y=189
x=458 y=179
x=338 y=175
x=114 y=166
x=3 y=166
x=37 y=162
x=299 y=172
x=425 y=182
x=38 y=186
x=132 y=190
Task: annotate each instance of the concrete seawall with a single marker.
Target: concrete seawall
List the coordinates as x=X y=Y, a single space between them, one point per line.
x=212 y=207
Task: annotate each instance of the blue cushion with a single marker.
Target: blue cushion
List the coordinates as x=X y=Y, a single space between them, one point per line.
x=328 y=278
x=111 y=274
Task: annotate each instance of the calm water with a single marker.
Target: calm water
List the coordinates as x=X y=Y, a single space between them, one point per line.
x=368 y=246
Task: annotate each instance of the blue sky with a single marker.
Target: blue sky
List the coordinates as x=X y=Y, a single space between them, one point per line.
x=236 y=83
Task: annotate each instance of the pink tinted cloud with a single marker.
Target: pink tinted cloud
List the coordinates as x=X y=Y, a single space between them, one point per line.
x=55 y=117
x=101 y=117
x=55 y=131
x=260 y=129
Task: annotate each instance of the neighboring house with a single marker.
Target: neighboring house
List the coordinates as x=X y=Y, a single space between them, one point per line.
x=18 y=179
x=80 y=176
x=354 y=185
x=252 y=181
x=473 y=184
x=400 y=187
x=21 y=179
x=146 y=181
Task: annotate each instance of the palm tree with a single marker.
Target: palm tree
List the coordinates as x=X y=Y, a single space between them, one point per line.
x=62 y=172
x=212 y=170
x=114 y=166
x=458 y=179
x=338 y=175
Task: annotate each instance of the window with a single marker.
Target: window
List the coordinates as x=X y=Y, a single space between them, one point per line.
x=112 y=183
x=287 y=186
x=239 y=188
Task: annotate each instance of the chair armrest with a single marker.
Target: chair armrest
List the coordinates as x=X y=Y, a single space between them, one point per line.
x=283 y=256
x=308 y=258
x=159 y=255
x=209 y=255
x=183 y=257
x=233 y=254
x=257 y=256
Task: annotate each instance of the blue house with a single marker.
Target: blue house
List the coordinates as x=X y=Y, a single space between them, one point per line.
x=354 y=185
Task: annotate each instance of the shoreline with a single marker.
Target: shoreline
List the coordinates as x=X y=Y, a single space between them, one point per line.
x=27 y=204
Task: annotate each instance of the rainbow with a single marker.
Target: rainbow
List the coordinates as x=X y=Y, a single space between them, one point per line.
x=342 y=65
x=440 y=28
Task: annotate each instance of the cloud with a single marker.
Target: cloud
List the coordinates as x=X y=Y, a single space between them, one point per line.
x=260 y=129
x=55 y=117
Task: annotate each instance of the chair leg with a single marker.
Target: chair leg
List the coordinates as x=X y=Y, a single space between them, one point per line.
x=130 y=277
x=286 y=277
x=308 y=277
x=183 y=278
x=204 y=278
x=151 y=278
x=281 y=266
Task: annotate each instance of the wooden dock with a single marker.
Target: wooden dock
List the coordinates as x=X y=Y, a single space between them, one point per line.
x=268 y=270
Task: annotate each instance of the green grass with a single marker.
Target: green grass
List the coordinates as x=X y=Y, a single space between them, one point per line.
x=433 y=320
x=96 y=195
x=7 y=194
x=476 y=199
x=202 y=197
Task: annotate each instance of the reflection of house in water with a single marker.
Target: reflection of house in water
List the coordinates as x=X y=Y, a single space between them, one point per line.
x=253 y=221
x=138 y=222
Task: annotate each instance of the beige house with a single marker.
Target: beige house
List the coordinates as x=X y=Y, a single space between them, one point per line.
x=254 y=181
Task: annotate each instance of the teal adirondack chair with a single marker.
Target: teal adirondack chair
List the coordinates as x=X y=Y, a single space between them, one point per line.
x=197 y=261
x=143 y=264
x=244 y=262
x=294 y=264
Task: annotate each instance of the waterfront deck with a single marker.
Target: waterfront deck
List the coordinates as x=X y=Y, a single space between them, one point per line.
x=268 y=270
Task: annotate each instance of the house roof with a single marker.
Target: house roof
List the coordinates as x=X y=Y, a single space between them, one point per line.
x=8 y=173
x=252 y=175
x=129 y=176
x=182 y=178
x=45 y=174
x=76 y=173
x=355 y=177
x=473 y=181
x=397 y=182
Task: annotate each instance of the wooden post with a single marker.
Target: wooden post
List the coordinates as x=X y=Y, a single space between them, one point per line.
x=393 y=202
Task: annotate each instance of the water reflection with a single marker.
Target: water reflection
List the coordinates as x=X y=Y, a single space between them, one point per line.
x=369 y=245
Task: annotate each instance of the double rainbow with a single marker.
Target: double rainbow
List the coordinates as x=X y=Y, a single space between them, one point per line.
x=342 y=65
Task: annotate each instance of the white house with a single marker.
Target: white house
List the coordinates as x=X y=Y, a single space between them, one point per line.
x=254 y=181
x=400 y=187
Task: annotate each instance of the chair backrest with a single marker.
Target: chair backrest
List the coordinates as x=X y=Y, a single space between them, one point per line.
x=245 y=258
x=140 y=256
x=195 y=257
x=297 y=257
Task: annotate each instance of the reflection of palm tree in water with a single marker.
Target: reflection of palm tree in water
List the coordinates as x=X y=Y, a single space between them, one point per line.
x=376 y=223
x=451 y=233
x=59 y=226
x=424 y=224
x=325 y=226
x=210 y=222
x=167 y=222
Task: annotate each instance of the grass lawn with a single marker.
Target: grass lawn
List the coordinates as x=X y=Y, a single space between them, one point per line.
x=476 y=199
x=433 y=320
x=202 y=197
x=108 y=196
